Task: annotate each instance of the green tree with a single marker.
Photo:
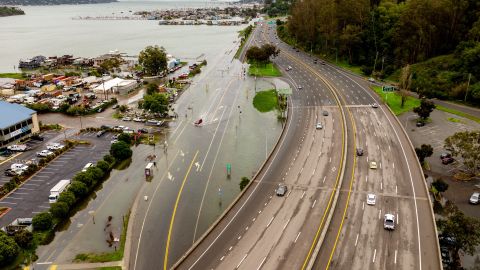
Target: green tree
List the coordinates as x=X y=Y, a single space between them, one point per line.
x=423 y=152
x=244 y=182
x=95 y=173
x=465 y=230
x=42 y=221
x=84 y=178
x=156 y=103
x=466 y=147
x=124 y=137
x=8 y=249
x=153 y=59
x=425 y=108
x=120 y=150
x=78 y=188
x=123 y=108
x=103 y=165
x=109 y=159
x=59 y=210
x=23 y=238
x=152 y=88
x=68 y=197
x=440 y=185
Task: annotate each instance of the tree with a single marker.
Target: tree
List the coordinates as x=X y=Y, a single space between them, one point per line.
x=440 y=185
x=156 y=103
x=84 y=178
x=68 y=197
x=244 y=182
x=423 y=152
x=103 y=165
x=23 y=238
x=120 y=150
x=124 y=137
x=153 y=59
x=463 y=229
x=466 y=145
x=59 y=210
x=95 y=173
x=79 y=189
x=405 y=83
x=8 y=249
x=152 y=88
x=425 y=108
x=42 y=221
x=109 y=159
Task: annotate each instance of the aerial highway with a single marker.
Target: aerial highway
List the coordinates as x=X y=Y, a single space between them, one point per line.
x=266 y=232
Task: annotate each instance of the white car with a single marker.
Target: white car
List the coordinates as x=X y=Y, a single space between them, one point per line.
x=319 y=126
x=374 y=105
x=118 y=128
x=55 y=146
x=299 y=87
x=475 y=198
x=138 y=119
x=389 y=222
x=126 y=118
x=113 y=141
x=18 y=167
x=371 y=199
x=44 y=153
x=373 y=165
x=371 y=79
x=17 y=147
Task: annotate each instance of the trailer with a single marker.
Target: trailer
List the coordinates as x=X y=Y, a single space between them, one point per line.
x=55 y=192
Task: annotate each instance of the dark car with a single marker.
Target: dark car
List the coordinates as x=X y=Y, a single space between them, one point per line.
x=445 y=155
x=37 y=137
x=107 y=127
x=142 y=130
x=10 y=172
x=100 y=133
x=447 y=160
x=359 y=152
x=420 y=124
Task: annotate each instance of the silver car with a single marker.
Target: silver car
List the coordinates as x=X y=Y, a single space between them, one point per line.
x=475 y=198
x=281 y=190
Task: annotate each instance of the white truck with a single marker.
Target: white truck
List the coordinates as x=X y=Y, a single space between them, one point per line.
x=17 y=147
x=55 y=192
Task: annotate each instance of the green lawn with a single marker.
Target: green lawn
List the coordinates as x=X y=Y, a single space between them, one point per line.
x=265 y=101
x=261 y=70
x=12 y=75
x=459 y=113
x=394 y=101
x=346 y=65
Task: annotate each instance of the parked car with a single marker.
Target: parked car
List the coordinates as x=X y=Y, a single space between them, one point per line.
x=113 y=141
x=475 y=198
x=299 y=87
x=445 y=155
x=118 y=128
x=281 y=190
x=142 y=130
x=106 y=127
x=101 y=132
x=126 y=118
x=10 y=172
x=88 y=165
x=36 y=137
x=18 y=166
x=447 y=160
x=115 y=106
x=420 y=124
x=138 y=119
x=389 y=222
x=18 y=147
x=371 y=199
x=44 y=153
x=55 y=146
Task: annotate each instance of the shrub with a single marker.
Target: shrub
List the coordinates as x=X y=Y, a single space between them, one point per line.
x=67 y=197
x=8 y=249
x=95 y=173
x=109 y=159
x=103 y=165
x=23 y=238
x=79 y=189
x=120 y=150
x=59 y=210
x=84 y=178
x=42 y=221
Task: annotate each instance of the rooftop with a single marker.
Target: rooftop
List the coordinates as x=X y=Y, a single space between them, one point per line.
x=11 y=114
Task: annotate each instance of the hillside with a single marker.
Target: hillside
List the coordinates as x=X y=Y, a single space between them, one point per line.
x=52 y=2
x=10 y=11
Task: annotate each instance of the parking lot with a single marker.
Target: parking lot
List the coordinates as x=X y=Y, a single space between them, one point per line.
x=32 y=197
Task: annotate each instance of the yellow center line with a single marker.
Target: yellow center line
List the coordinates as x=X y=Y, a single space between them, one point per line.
x=172 y=220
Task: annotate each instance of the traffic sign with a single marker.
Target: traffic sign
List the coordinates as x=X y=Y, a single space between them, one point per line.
x=388 y=88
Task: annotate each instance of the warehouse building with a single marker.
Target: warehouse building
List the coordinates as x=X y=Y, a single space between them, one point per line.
x=16 y=122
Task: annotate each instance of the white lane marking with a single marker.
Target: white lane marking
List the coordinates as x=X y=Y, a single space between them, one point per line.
x=296 y=238
x=325 y=177
x=379 y=213
x=260 y=265
x=290 y=191
x=313 y=205
x=303 y=194
x=397 y=218
x=241 y=261
x=396 y=189
x=363 y=205
x=253 y=219
x=223 y=257
x=395 y=260
x=367 y=159
x=381 y=185
x=230 y=248
x=239 y=237
x=366 y=178
x=284 y=226
x=393 y=165
x=374 y=254
x=270 y=222
x=356 y=240
x=246 y=228
x=313 y=173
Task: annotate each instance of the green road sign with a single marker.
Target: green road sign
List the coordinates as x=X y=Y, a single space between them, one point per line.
x=388 y=88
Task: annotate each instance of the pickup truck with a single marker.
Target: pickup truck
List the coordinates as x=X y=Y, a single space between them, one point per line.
x=54 y=146
x=18 y=147
x=44 y=153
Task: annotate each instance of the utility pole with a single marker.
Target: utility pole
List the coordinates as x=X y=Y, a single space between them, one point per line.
x=468 y=84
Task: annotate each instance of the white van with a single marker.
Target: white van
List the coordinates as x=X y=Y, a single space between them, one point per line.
x=88 y=165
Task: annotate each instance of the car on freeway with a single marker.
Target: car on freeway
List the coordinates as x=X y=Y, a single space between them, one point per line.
x=319 y=126
x=44 y=153
x=299 y=87
x=325 y=113
x=101 y=132
x=323 y=63
x=359 y=152
x=371 y=79
x=389 y=222
x=373 y=165
x=281 y=190
x=475 y=198
x=371 y=199
x=374 y=105
x=447 y=160
x=126 y=118
x=288 y=68
x=55 y=146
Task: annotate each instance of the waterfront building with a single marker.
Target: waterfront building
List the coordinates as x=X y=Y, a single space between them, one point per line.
x=16 y=122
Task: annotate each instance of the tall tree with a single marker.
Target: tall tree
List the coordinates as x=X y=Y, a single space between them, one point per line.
x=466 y=145
x=153 y=59
x=425 y=108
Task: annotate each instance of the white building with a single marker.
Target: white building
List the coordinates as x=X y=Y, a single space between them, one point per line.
x=116 y=86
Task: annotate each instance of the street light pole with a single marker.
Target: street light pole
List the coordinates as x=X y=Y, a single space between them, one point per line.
x=468 y=84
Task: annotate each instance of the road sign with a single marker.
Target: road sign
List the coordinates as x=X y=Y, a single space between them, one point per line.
x=388 y=88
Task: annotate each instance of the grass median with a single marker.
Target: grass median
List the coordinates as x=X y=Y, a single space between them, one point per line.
x=394 y=101
x=263 y=70
x=266 y=101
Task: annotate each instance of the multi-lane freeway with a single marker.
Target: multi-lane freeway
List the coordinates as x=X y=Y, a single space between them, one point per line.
x=323 y=221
